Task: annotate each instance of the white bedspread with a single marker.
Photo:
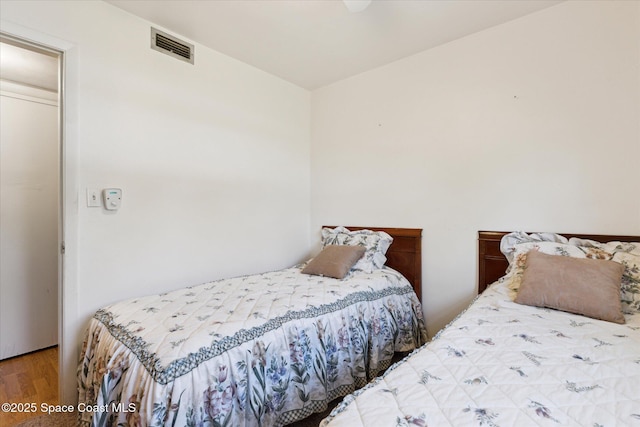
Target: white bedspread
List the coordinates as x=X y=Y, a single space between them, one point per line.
x=504 y=364
x=265 y=349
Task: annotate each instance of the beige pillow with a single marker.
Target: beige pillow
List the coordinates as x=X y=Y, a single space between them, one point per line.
x=583 y=286
x=334 y=261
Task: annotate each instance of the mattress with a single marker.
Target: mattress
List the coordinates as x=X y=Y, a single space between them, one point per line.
x=265 y=349
x=504 y=364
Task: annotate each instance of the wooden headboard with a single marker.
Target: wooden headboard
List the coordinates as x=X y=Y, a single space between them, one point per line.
x=492 y=264
x=404 y=254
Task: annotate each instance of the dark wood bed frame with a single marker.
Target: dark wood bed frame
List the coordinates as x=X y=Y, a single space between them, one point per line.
x=492 y=264
x=404 y=254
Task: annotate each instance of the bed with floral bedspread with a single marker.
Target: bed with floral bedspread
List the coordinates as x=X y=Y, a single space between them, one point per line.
x=259 y=350
x=501 y=363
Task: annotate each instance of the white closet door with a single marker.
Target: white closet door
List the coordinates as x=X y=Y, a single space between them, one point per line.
x=29 y=191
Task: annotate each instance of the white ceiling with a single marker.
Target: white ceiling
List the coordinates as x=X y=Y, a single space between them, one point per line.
x=313 y=43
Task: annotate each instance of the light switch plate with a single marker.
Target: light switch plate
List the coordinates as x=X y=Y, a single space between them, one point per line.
x=93 y=198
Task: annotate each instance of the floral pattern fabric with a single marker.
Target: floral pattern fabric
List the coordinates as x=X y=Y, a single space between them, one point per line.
x=261 y=350
x=509 y=241
x=375 y=243
x=504 y=364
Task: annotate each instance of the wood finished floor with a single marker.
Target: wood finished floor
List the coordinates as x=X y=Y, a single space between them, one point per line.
x=30 y=378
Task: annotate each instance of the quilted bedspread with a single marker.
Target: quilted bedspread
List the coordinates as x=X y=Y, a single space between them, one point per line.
x=265 y=349
x=504 y=364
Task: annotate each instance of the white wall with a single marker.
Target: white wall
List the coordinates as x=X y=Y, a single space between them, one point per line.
x=29 y=190
x=213 y=160
x=531 y=125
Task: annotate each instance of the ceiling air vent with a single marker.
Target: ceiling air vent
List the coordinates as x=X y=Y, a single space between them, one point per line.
x=163 y=42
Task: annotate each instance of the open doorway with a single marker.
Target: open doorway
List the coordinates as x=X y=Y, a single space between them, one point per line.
x=30 y=195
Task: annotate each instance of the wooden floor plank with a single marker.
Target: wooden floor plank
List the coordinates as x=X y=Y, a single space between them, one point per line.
x=30 y=378
x=11 y=387
x=3 y=389
x=25 y=381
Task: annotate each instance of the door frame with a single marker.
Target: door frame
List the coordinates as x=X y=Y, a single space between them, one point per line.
x=31 y=337
x=68 y=335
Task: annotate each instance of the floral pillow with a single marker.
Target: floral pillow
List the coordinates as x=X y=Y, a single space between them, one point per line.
x=509 y=241
x=627 y=254
x=375 y=243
